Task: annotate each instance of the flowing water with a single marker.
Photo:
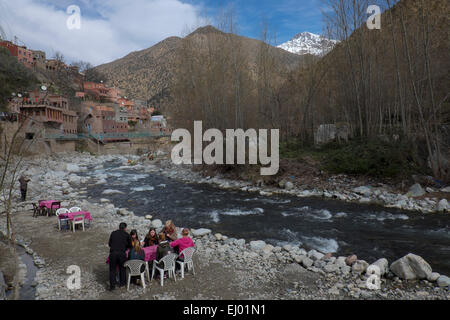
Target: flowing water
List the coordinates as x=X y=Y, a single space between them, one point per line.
x=369 y=231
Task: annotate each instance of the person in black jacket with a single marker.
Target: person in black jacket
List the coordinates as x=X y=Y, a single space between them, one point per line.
x=163 y=249
x=119 y=243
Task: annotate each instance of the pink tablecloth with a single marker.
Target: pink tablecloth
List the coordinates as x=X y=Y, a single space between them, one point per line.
x=70 y=215
x=150 y=253
x=48 y=204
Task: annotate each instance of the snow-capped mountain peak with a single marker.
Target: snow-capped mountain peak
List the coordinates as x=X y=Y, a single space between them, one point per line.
x=309 y=43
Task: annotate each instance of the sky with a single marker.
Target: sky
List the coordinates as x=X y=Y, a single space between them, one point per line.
x=110 y=29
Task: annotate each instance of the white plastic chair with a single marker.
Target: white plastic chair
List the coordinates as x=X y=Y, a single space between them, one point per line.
x=58 y=212
x=134 y=269
x=78 y=209
x=187 y=254
x=78 y=219
x=169 y=266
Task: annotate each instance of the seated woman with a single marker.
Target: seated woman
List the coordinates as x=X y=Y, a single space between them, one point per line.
x=170 y=231
x=136 y=253
x=183 y=243
x=151 y=239
x=163 y=249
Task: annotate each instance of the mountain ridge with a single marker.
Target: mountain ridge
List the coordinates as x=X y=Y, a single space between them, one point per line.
x=309 y=43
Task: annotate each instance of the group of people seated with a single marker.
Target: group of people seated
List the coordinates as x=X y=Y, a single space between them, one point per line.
x=121 y=241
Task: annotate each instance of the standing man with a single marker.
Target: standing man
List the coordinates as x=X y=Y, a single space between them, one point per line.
x=119 y=242
x=23 y=180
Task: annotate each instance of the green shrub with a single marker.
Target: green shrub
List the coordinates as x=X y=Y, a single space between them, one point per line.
x=371 y=158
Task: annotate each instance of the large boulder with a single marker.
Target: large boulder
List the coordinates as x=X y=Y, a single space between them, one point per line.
x=383 y=264
x=200 y=232
x=411 y=267
x=156 y=223
x=416 y=191
x=257 y=245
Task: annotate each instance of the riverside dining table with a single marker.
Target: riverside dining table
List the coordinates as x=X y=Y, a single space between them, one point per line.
x=71 y=215
x=50 y=205
x=150 y=253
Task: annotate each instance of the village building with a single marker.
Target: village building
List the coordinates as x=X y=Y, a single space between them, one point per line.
x=23 y=55
x=47 y=113
x=39 y=59
x=100 y=121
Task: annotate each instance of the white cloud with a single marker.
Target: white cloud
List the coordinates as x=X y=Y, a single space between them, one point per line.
x=110 y=30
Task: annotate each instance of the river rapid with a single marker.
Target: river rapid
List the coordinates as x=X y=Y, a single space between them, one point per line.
x=371 y=232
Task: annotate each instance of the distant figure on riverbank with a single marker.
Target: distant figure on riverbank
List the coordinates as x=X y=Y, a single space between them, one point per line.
x=119 y=242
x=170 y=231
x=151 y=239
x=23 y=180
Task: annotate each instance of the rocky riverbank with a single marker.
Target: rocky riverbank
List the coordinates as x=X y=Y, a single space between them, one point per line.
x=338 y=187
x=226 y=268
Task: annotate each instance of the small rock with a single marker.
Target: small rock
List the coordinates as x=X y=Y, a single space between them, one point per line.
x=433 y=277
x=148 y=217
x=314 y=255
x=443 y=281
x=218 y=236
x=288 y=185
x=365 y=191
x=443 y=206
x=331 y=268
x=350 y=260
x=359 y=266
x=416 y=191
x=257 y=245
x=307 y=262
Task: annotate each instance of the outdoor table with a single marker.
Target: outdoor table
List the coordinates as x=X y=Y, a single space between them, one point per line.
x=150 y=253
x=70 y=215
x=50 y=205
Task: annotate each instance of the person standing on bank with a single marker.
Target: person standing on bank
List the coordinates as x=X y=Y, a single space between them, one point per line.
x=119 y=243
x=23 y=180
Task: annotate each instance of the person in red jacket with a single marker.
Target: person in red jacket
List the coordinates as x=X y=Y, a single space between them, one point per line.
x=184 y=242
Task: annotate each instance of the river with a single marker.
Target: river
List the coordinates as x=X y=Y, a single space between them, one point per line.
x=371 y=232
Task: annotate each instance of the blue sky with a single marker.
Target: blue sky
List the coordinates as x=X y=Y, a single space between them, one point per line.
x=285 y=18
x=112 y=28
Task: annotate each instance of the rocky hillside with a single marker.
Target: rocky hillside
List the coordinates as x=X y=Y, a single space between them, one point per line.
x=149 y=73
